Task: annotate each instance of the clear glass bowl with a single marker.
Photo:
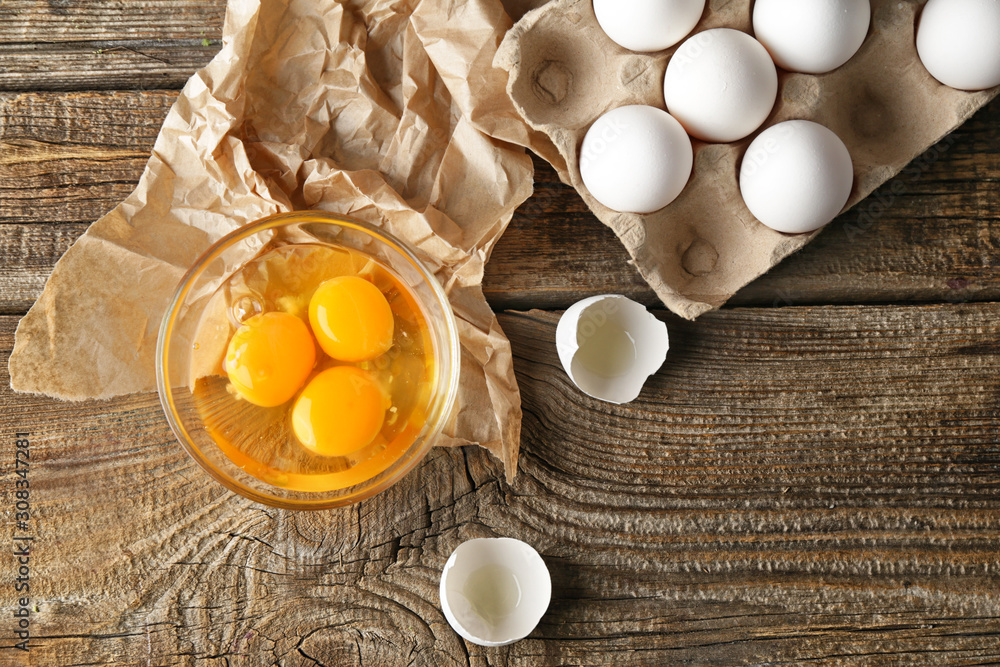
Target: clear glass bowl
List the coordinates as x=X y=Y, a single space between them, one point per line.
x=177 y=344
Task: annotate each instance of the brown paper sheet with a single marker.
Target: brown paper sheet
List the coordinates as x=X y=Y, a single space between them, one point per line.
x=698 y=251
x=390 y=112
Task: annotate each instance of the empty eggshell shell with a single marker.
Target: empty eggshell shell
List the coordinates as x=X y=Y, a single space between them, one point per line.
x=648 y=25
x=609 y=346
x=474 y=577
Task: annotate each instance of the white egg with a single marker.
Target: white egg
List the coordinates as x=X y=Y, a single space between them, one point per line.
x=494 y=590
x=648 y=25
x=721 y=85
x=959 y=42
x=796 y=176
x=636 y=159
x=812 y=36
x=609 y=345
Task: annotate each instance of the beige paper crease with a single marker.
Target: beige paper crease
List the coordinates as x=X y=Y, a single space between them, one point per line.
x=390 y=112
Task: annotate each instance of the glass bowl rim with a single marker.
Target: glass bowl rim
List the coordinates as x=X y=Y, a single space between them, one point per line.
x=401 y=466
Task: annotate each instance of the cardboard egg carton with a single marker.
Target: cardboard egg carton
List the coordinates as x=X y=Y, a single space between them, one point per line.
x=698 y=251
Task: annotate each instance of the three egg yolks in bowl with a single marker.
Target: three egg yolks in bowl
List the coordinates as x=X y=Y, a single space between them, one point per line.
x=327 y=378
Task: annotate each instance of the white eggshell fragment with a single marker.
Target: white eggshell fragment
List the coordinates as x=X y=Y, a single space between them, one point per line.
x=796 y=176
x=721 y=85
x=958 y=41
x=811 y=36
x=636 y=159
x=609 y=345
x=648 y=25
x=495 y=590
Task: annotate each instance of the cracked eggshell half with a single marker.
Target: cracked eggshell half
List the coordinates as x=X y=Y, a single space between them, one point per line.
x=494 y=591
x=610 y=345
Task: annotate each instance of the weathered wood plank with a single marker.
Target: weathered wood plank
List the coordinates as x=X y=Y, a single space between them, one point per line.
x=26 y=260
x=65 y=160
x=797 y=484
x=103 y=64
x=97 y=45
x=70 y=157
x=84 y=120
x=48 y=21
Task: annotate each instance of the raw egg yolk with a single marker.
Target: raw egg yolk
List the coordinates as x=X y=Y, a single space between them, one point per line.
x=340 y=411
x=269 y=358
x=351 y=319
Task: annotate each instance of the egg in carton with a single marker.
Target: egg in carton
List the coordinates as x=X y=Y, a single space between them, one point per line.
x=696 y=252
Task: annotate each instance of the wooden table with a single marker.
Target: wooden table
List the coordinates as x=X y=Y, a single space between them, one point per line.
x=813 y=476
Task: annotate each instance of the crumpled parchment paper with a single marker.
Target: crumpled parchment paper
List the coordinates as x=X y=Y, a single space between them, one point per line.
x=391 y=112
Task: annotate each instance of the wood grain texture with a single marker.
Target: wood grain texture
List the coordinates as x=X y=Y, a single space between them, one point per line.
x=71 y=157
x=932 y=234
x=99 y=45
x=65 y=160
x=796 y=485
x=103 y=65
x=26 y=261
x=49 y=21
